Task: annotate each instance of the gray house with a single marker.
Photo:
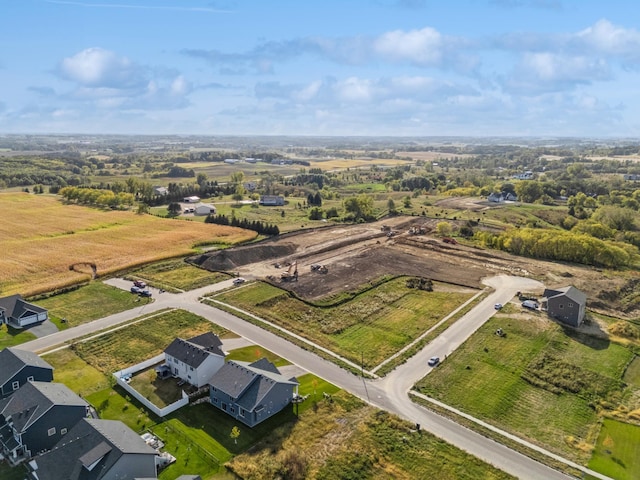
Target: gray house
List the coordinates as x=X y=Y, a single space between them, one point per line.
x=271 y=200
x=96 y=450
x=36 y=417
x=17 y=313
x=17 y=367
x=567 y=304
x=251 y=392
x=194 y=360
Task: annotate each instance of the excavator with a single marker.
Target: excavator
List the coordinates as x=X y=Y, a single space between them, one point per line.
x=291 y=274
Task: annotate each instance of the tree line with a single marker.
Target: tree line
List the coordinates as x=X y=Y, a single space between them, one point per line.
x=261 y=227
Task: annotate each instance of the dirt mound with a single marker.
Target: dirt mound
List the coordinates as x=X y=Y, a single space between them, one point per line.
x=231 y=259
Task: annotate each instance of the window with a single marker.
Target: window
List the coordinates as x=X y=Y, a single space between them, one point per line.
x=232 y=410
x=63 y=431
x=15 y=385
x=570 y=305
x=191 y=368
x=242 y=411
x=561 y=306
x=215 y=400
x=30 y=379
x=51 y=431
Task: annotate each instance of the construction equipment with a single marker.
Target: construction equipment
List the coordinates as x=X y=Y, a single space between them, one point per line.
x=291 y=274
x=316 y=267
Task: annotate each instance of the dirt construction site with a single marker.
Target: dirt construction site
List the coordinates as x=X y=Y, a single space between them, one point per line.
x=325 y=261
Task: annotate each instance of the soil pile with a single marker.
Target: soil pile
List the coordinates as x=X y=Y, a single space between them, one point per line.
x=231 y=259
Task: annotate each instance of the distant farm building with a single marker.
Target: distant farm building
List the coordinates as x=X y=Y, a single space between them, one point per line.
x=632 y=177
x=499 y=197
x=161 y=191
x=272 y=200
x=205 y=209
x=192 y=199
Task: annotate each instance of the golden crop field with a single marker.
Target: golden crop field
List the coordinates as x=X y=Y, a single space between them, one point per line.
x=41 y=237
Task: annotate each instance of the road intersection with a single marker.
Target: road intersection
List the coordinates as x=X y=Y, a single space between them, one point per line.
x=390 y=393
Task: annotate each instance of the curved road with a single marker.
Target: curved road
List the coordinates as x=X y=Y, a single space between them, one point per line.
x=389 y=393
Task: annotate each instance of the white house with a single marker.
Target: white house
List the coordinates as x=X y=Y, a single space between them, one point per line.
x=195 y=360
x=205 y=209
x=192 y=199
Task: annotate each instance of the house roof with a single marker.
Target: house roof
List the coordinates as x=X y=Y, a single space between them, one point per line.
x=570 y=292
x=14 y=306
x=12 y=360
x=249 y=383
x=89 y=450
x=196 y=350
x=33 y=399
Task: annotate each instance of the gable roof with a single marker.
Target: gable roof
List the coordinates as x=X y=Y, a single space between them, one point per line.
x=89 y=450
x=249 y=383
x=570 y=292
x=33 y=399
x=12 y=360
x=14 y=306
x=196 y=350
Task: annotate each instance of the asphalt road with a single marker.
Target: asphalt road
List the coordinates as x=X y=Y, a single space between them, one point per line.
x=389 y=393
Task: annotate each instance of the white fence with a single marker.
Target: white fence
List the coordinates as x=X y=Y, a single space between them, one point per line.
x=161 y=412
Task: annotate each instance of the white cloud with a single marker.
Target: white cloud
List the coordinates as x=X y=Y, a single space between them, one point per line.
x=607 y=38
x=354 y=89
x=423 y=47
x=97 y=67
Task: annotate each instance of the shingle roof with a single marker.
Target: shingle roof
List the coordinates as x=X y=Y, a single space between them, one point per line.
x=15 y=306
x=248 y=383
x=91 y=443
x=570 y=292
x=194 y=354
x=33 y=399
x=12 y=360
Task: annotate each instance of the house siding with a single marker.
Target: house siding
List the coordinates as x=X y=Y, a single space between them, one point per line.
x=200 y=375
x=566 y=310
x=38 y=374
x=36 y=438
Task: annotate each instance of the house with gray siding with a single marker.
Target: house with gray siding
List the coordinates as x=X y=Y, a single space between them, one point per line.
x=271 y=200
x=567 y=304
x=96 y=450
x=195 y=360
x=17 y=313
x=251 y=392
x=36 y=417
x=18 y=367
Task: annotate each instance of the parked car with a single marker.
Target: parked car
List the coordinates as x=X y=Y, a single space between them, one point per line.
x=145 y=293
x=433 y=361
x=238 y=281
x=135 y=289
x=530 y=304
x=497 y=306
x=139 y=284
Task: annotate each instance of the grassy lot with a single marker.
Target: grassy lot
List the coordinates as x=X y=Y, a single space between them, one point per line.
x=632 y=374
x=75 y=373
x=617 y=453
x=122 y=348
x=376 y=323
x=10 y=337
x=12 y=473
x=537 y=382
x=176 y=275
x=254 y=353
x=58 y=236
x=89 y=302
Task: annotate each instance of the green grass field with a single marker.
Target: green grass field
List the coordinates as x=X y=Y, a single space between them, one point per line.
x=632 y=375
x=537 y=382
x=253 y=353
x=122 y=348
x=87 y=303
x=10 y=337
x=75 y=373
x=176 y=275
x=12 y=473
x=374 y=324
x=617 y=452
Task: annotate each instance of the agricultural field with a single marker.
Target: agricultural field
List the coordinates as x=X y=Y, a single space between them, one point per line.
x=45 y=235
x=88 y=302
x=543 y=383
x=176 y=276
x=374 y=324
x=617 y=452
x=122 y=348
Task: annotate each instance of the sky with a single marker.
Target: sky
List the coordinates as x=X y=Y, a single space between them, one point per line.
x=321 y=68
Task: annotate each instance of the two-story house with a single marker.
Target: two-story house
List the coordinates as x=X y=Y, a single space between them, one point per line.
x=35 y=417
x=195 y=360
x=20 y=366
x=251 y=392
x=96 y=450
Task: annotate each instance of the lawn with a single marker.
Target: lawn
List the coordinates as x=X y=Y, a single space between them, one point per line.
x=87 y=303
x=10 y=337
x=632 y=374
x=374 y=324
x=12 y=473
x=176 y=275
x=58 y=236
x=75 y=373
x=617 y=453
x=142 y=340
x=536 y=382
x=253 y=353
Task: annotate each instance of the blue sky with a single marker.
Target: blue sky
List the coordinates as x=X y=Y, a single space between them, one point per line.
x=343 y=67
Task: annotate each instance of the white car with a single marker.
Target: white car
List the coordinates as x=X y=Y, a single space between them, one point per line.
x=433 y=361
x=497 y=306
x=238 y=281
